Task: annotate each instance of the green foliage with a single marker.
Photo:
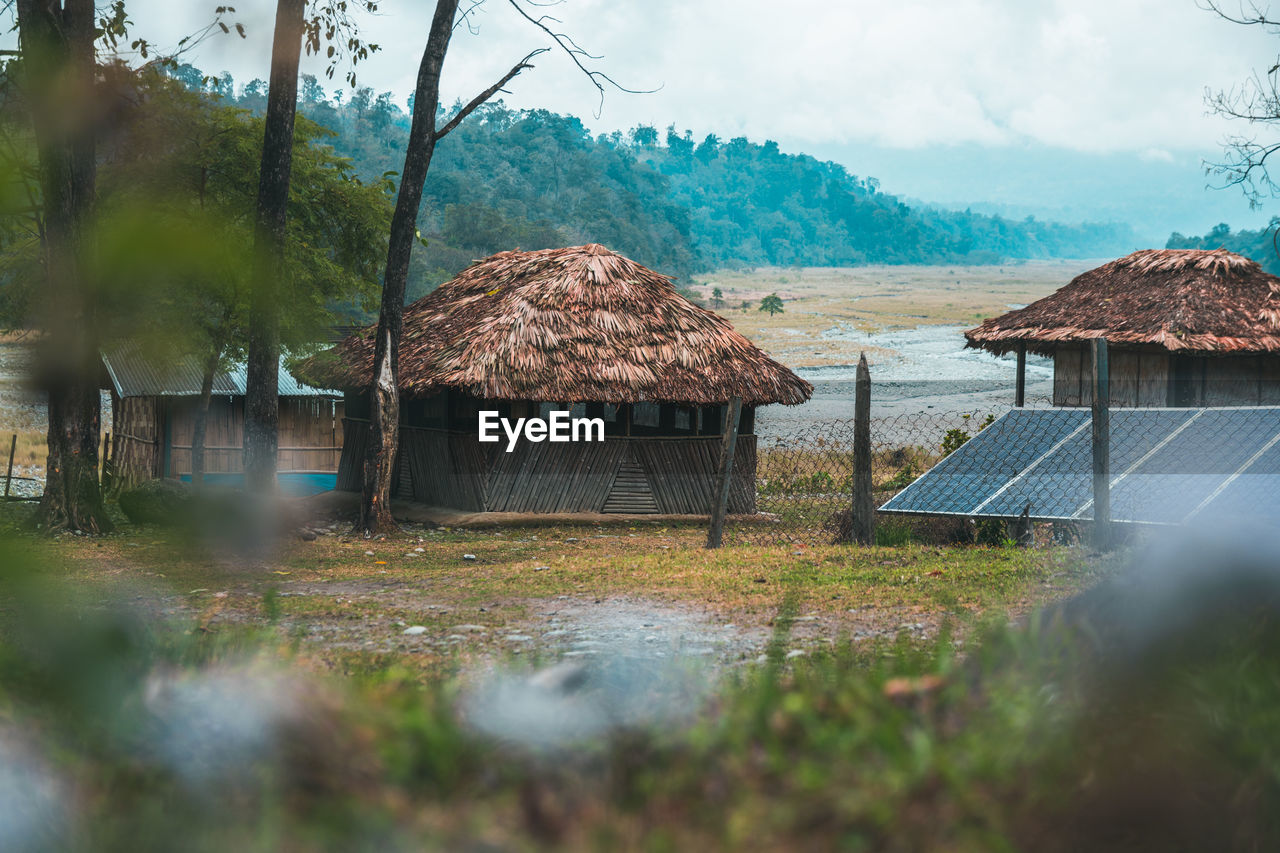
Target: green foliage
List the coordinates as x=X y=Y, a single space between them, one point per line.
x=905 y=476
x=893 y=532
x=992 y=531
x=174 y=234
x=1259 y=245
x=955 y=438
x=533 y=179
x=815 y=483
x=771 y=303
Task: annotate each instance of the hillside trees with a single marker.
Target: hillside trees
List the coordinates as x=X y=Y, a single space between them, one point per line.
x=534 y=179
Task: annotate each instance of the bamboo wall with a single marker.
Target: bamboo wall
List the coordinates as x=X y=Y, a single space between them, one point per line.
x=667 y=475
x=1157 y=378
x=135 y=440
x=152 y=436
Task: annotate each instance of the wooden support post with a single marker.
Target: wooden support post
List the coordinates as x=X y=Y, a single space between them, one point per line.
x=1020 y=390
x=8 y=478
x=862 y=530
x=1101 y=447
x=106 y=460
x=724 y=477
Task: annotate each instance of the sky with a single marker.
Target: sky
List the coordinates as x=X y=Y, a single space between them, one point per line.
x=1075 y=109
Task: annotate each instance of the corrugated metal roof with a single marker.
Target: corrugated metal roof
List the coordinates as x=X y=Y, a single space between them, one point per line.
x=134 y=375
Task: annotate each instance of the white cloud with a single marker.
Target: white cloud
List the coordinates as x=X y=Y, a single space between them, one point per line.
x=1089 y=75
x=1156 y=155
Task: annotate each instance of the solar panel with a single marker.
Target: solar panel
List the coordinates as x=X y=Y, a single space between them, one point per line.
x=972 y=474
x=1167 y=465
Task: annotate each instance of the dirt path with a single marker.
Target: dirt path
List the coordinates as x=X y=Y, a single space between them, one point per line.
x=392 y=617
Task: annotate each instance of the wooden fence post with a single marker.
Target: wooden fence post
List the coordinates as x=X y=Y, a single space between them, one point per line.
x=862 y=529
x=1020 y=389
x=724 y=477
x=1100 y=379
x=8 y=478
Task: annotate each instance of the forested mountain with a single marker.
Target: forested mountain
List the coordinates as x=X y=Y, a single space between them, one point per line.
x=535 y=179
x=1259 y=245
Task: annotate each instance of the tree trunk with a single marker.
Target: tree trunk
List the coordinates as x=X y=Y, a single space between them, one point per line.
x=200 y=421
x=384 y=429
x=59 y=68
x=262 y=388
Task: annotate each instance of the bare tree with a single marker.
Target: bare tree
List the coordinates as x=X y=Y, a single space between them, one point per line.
x=384 y=430
x=1256 y=101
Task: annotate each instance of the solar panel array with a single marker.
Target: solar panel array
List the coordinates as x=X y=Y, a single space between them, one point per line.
x=1167 y=466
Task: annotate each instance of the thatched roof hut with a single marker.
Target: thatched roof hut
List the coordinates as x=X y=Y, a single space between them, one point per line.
x=581 y=330
x=1176 y=299
x=1186 y=327
x=572 y=325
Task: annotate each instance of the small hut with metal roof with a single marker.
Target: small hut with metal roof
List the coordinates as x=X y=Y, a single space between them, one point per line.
x=1184 y=327
x=153 y=405
x=581 y=329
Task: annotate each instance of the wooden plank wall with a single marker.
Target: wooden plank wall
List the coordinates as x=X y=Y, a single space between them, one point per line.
x=1068 y=376
x=672 y=476
x=631 y=492
x=1269 y=380
x=437 y=473
x=1153 y=379
x=223 y=437
x=310 y=435
x=1125 y=369
x=1138 y=378
x=1232 y=381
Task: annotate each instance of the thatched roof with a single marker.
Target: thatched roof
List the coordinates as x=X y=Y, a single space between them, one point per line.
x=566 y=325
x=1178 y=299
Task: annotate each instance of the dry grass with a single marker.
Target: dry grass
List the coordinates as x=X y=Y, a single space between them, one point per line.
x=19 y=336
x=32 y=449
x=873 y=298
x=348 y=604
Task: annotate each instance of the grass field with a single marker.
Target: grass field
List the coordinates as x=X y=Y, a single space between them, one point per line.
x=866 y=699
x=351 y=599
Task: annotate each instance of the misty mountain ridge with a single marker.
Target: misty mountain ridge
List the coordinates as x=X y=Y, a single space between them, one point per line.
x=670 y=200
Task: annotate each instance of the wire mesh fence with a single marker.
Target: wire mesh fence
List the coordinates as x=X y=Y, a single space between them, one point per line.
x=1037 y=471
x=804 y=479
